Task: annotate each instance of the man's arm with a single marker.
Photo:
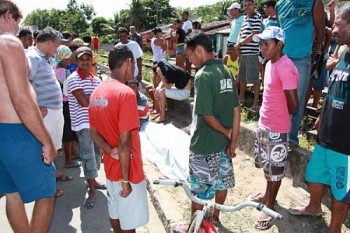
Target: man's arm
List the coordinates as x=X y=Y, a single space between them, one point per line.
x=15 y=68
x=103 y=144
x=214 y=123
x=319 y=24
x=139 y=65
x=162 y=77
x=292 y=100
x=82 y=98
x=125 y=149
x=235 y=131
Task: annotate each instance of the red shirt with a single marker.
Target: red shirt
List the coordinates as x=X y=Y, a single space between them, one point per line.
x=113 y=109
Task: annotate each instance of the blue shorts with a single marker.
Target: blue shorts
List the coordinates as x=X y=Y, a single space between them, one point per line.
x=22 y=169
x=209 y=173
x=180 y=49
x=331 y=168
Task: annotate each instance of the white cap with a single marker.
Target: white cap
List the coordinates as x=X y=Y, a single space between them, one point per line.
x=269 y=33
x=234 y=5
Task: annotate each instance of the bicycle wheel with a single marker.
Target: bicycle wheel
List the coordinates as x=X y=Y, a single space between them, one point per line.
x=196 y=221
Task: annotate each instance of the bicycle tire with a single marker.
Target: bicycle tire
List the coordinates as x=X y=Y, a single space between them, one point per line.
x=196 y=221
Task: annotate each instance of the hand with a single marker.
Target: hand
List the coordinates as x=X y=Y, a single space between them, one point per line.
x=43 y=112
x=231 y=150
x=49 y=153
x=114 y=153
x=127 y=189
x=237 y=47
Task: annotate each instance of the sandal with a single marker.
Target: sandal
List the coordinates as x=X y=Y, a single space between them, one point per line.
x=64 y=178
x=74 y=164
x=302 y=211
x=58 y=193
x=89 y=203
x=264 y=224
x=100 y=186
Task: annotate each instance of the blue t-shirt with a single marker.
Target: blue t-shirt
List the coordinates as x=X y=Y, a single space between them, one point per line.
x=235 y=29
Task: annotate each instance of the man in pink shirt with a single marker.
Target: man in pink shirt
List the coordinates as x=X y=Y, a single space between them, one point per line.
x=279 y=102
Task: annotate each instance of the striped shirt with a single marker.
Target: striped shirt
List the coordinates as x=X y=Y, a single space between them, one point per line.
x=250 y=24
x=43 y=79
x=79 y=115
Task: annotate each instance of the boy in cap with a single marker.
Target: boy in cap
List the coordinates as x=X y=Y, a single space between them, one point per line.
x=280 y=100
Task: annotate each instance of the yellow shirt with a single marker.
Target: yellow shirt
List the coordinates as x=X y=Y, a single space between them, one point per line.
x=232 y=65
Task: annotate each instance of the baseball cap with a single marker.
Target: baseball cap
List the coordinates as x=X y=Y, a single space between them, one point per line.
x=83 y=50
x=269 y=33
x=79 y=42
x=234 y=5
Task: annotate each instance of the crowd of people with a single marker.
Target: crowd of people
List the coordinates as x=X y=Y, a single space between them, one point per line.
x=53 y=99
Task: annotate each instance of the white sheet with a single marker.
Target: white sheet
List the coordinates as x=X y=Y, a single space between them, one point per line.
x=167 y=147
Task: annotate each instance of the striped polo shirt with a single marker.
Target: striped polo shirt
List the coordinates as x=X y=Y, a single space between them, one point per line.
x=43 y=79
x=250 y=24
x=78 y=81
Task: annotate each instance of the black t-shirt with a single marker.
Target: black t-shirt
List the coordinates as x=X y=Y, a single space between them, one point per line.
x=182 y=35
x=174 y=74
x=335 y=123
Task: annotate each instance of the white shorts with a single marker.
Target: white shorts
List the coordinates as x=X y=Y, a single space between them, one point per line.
x=54 y=122
x=177 y=94
x=131 y=211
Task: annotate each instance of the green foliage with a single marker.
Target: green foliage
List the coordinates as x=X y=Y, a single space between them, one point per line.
x=97 y=25
x=74 y=18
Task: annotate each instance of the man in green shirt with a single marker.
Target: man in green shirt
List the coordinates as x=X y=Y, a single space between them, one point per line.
x=215 y=125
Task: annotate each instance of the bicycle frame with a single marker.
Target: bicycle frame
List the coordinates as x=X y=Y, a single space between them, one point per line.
x=209 y=204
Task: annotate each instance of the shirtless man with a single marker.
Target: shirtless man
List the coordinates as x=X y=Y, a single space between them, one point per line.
x=23 y=136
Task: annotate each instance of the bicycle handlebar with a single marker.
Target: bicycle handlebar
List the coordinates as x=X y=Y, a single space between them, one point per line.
x=258 y=206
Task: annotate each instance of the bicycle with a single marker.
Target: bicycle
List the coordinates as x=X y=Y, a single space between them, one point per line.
x=201 y=221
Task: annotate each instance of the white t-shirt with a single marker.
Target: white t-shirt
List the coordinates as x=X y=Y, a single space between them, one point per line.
x=136 y=52
x=187 y=25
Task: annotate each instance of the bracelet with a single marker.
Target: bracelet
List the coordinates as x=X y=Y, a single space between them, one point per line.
x=124 y=181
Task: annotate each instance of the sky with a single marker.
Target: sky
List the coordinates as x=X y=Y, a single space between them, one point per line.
x=105 y=8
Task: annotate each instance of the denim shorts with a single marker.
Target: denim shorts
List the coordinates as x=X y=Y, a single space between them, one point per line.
x=22 y=168
x=180 y=49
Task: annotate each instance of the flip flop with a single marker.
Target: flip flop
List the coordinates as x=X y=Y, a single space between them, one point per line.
x=100 y=186
x=58 y=193
x=256 y=198
x=74 y=164
x=64 y=178
x=268 y=223
x=89 y=203
x=301 y=211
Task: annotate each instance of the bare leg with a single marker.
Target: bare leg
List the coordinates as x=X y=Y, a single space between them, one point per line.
x=220 y=197
x=256 y=95
x=161 y=104
x=16 y=213
x=115 y=225
x=317 y=97
x=339 y=212
x=92 y=190
x=309 y=92
x=316 y=193
x=42 y=215
x=242 y=87
x=67 y=147
x=195 y=207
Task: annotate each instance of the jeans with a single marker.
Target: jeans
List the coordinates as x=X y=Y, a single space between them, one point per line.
x=303 y=66
x=90 y=154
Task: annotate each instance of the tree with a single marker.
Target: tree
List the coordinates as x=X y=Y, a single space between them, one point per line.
x=97 y=25
x=74 y=18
